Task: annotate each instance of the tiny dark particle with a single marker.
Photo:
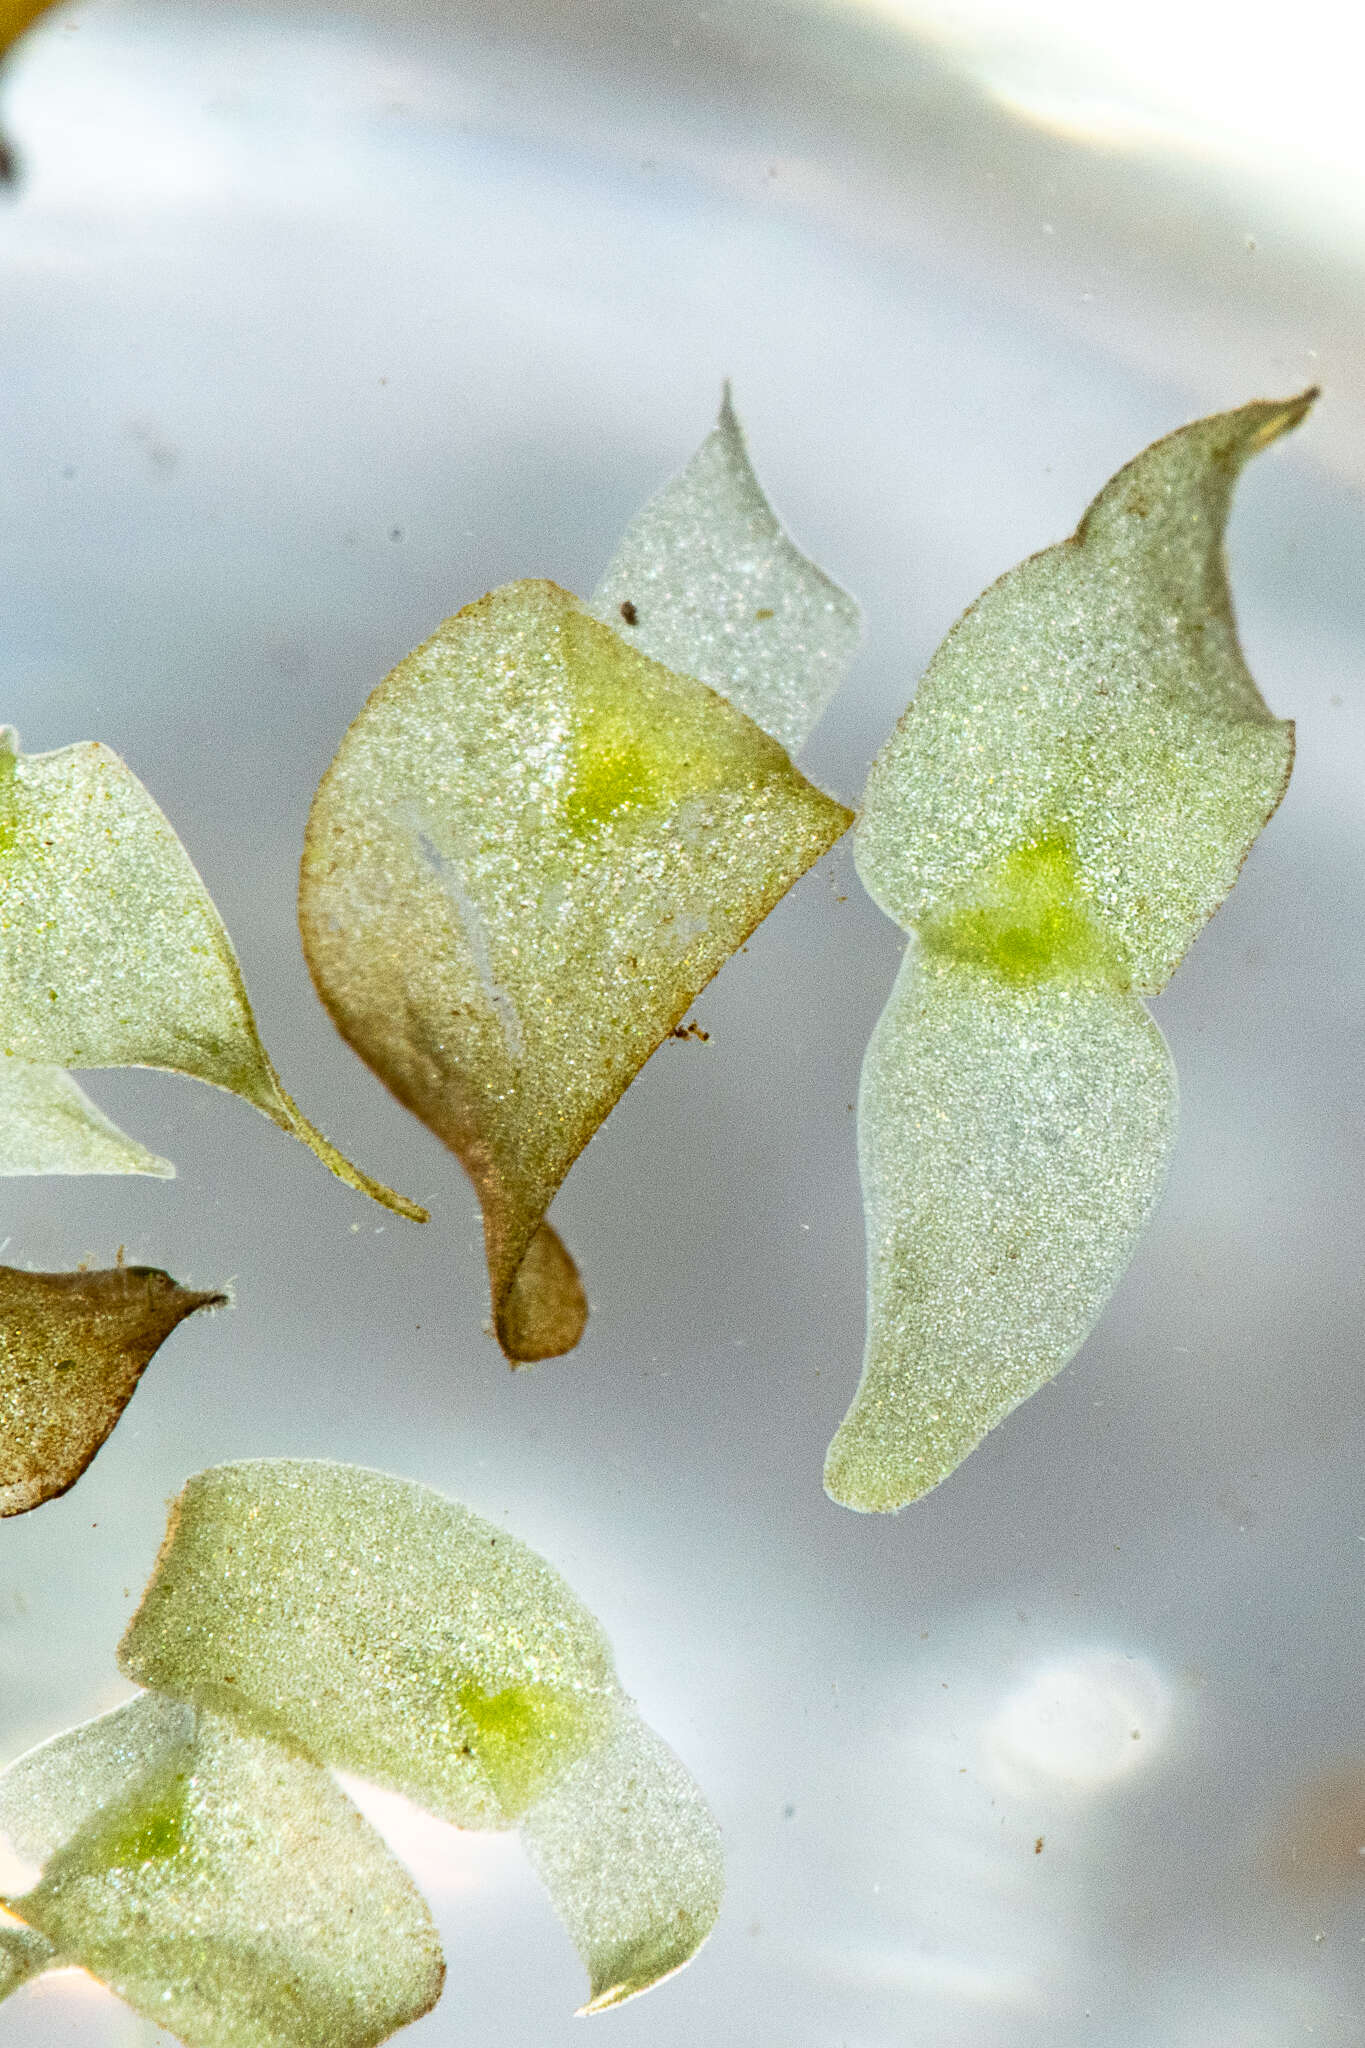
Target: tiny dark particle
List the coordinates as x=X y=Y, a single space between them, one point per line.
x=1038 y=1846
x=629 y=613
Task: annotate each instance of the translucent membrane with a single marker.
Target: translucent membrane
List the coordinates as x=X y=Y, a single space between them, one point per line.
x=706 y=581
x=48 y=1124
x=219 y=1882
x=73 y=1347
x=112 y=954
x=631 y=1858
x=533 y=849
x=1066 y=802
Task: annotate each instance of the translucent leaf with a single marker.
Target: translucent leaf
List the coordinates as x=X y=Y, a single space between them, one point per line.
x=706 y=581
x=73 y=1347
x=629 y=1854
x=231 y=1892
x=49 y=1125
x=533 y=849
x=23 y=1954
x=1013 y=1141
x=111 y=953
x=1068 y=799
x=1096 y=699
x=54 y=1792
x=396 y=1634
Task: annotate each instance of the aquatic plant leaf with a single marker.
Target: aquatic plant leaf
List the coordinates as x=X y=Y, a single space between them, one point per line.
x=395 y=1633
x=232 y=1893
x=1096 y=696
x=56 y=1791
x=48 y=1124
x=1012 y=1142
x=23 y=1954
x=73 y=1347
x=112 y=954
x=1066 y=802
x=533 y=849
x=706 y=581
x=630 y=1856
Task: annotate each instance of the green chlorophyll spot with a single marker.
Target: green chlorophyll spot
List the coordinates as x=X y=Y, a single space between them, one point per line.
x=525 y=1735
x=1027 y=919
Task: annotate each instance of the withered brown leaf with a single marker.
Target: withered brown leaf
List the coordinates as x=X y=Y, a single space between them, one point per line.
x=73 y=1347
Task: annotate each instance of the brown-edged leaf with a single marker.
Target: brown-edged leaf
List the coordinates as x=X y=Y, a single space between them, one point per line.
x=73 y=1347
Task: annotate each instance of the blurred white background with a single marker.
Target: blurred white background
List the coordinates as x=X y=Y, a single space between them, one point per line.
x=320 y=321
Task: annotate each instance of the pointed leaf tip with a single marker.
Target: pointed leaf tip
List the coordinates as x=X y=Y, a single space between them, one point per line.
x=48 y=1124
x=73 y=1347
x=709 y=584
x=112 y=954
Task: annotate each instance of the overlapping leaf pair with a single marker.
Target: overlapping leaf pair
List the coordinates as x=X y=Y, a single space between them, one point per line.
x=537 y=843
x=1067 y=801
x=196 y=1856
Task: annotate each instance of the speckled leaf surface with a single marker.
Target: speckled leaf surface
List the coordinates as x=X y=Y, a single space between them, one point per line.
x=48 y=1124
x=1012 y=1144
x=73 y=1347
x=54 y=1792
x=396 y=1634
x=1064 y=805
x=706 y=581
x=1096 y=698
x=23 y=1954
x=630 y=1856
x=231 y=1892
x=111 y=953
x=533 y=849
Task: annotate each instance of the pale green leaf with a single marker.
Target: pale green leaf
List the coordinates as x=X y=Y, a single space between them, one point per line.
x=230 y=1891
x=111 y=953
x=48 y=1124
x=23 y=1954
x=1012 y=1143
x=706 y=581
x=57 y=1791
x=1096 y=699
x=630 y=1856
x=1068 y=799
x=533 y=849
x=395 y=1633
x=73 y=1347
